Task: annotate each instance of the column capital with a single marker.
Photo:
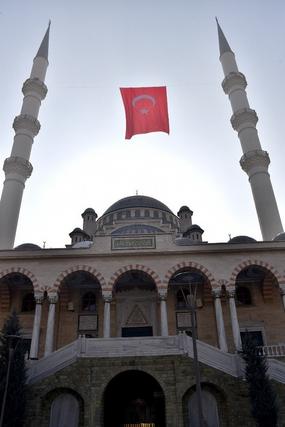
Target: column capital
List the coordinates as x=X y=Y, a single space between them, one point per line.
x=216 y=293
x=53 y=298
x=39 y=297
x=162 y=294
x=107 y=296
x=231 y=292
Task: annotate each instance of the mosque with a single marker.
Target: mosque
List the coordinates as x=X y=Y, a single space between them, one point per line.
x=109 y=321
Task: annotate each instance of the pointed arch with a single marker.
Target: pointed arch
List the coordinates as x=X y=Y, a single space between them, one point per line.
x=194 y=265
x=251 y=262
x=138 y=267
x=24 y=272
x=86 y=268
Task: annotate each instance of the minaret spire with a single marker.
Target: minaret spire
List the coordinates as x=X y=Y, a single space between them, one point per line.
x=43 y=49
x=254 y=161
x=17 y=167
x=223 y=43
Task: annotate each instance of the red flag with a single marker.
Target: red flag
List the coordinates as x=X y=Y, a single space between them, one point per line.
x=146 y=110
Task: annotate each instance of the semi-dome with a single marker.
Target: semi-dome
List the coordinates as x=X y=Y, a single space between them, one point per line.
x=137 y=202
x=279 y=238
x=27 y=247
x=242 y=239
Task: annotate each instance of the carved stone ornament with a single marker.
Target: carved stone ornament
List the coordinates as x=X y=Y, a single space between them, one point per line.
x=232 y=80
x=244 y=116
x=35 y=85
x=107 y=296
x=253 y=159
x=39 y=298
x=25 y=121
x=53 y=298
x=19 y=166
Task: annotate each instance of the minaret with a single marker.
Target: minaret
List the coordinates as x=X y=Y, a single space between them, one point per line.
x=254 y=161
x=17 y=167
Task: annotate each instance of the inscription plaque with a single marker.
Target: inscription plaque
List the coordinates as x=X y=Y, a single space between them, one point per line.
x=88 y=322
x=133 y=243
x=183 y=320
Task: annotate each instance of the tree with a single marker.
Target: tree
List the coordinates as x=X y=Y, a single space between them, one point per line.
x=16 y=390
x=262 y=396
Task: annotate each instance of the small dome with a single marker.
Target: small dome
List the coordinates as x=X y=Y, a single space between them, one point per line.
x=137 y=202
x=89 y=211
x=242 y=239
x=86 y=244
x=279 y=238
x=184 y=209
x=27 y=247
x=78 y=231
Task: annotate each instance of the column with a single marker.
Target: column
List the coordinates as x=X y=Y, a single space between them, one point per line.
x=163 y=313
x=234 y=319
x=220 y=320
x=282 y=291
x=36 y=327
x=53 y=298
x=107 y=296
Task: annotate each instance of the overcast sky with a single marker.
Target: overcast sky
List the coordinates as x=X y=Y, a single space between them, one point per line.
x=80 y=156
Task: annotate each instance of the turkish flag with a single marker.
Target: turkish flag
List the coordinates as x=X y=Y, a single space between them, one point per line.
x=146 y=110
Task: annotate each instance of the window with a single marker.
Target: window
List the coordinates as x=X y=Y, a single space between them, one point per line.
x=255 y=336
x=89 y=302
x=146 y=213
x=137 y=213
x=64 y=411
x=181 y=297
x=243 y=295
x=210 y=410
x=28 y=303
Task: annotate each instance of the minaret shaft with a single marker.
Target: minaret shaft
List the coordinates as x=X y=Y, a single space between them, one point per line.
x=254 y=161
x=17 y=167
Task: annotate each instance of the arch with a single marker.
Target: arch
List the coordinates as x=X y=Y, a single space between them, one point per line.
x=49 y=397
x=86 y=268
x=259 y=263
x=220 y=400
x=142 y=402
x=25 y=272
x=133 y=267
x=194 y=265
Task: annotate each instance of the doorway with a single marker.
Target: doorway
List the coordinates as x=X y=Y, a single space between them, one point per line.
x=134 y=398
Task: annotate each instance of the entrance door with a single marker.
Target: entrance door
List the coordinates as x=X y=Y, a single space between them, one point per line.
x=134 y=399
x=137 y=331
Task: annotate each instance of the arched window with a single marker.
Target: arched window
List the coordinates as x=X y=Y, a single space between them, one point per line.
x=64 y=411
x=89 y=302
x=243 y=295
x=181 y=299
x=210 y=410
x=28 y=303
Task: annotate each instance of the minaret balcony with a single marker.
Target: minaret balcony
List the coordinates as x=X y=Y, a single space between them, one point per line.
x=19 y=166
x=234 y=80
x=28 y=123
x=243 y=118
x=34 y=86
x=255 y=160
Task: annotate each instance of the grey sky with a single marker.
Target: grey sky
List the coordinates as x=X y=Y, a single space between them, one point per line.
x=80 y=157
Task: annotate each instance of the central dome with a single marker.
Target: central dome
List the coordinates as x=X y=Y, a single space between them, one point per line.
x=137 y=202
